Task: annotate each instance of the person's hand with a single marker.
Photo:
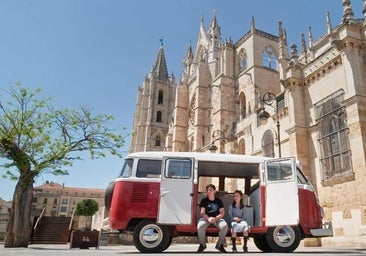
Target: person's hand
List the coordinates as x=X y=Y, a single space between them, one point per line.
x=236 y=219
x=212 y=219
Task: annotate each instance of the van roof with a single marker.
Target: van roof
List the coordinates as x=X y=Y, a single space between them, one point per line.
x=214 y=157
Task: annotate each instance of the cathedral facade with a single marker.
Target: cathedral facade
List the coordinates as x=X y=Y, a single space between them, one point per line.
x=259 y=96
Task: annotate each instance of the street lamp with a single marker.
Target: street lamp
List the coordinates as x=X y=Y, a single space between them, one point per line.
x=268 y=98
x=212 y=148
x=217 y=135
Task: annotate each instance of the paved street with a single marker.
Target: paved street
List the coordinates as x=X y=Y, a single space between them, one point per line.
x=181 y=249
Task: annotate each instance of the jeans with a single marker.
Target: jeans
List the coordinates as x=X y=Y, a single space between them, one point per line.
x=202 y=226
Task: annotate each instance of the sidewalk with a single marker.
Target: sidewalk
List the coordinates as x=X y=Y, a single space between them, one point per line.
x=181 y=249
x=63 y=249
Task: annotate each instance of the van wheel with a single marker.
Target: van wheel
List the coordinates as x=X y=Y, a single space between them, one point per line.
x=261 y=243
x=150 y=237
x=108 y=195
x=168 y=244
x=283 y=239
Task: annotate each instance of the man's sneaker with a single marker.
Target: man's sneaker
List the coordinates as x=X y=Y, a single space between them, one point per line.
x=201 y=248
x=220 y=248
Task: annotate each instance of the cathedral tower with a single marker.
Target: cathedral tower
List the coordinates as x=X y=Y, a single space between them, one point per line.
x=155 y=100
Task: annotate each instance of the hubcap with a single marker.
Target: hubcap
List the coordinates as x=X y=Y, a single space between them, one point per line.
x=151 y=236
x=284 y=236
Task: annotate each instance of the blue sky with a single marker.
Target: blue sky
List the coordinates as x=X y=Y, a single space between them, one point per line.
x=97 y=52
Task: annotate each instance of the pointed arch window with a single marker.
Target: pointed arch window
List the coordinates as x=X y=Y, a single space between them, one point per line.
x=269 y=59
x=159 y=116
x=243 y=60
x=160 y=97
x=242 y=147
x=242 y=106
x=157 y=141
x=268 y=144
x=333 y=139
x=243 y=64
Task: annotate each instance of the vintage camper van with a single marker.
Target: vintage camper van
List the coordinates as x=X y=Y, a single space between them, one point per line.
x=157 y=194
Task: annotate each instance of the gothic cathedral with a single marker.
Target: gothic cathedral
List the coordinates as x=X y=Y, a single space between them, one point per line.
x=259 y=96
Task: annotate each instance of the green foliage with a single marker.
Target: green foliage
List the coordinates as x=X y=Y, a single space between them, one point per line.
x=36 y=138
x=86 y=207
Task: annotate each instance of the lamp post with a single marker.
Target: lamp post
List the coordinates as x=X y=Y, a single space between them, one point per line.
x=268 y=98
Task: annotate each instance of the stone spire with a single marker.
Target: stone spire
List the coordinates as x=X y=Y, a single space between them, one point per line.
x=252 y=25
x=329 y=24
x=285 y=36
x=310 y=36
x=214 y=37
x=188 y=59
x=347 y=11
x=214 y=29
x=303 y=44
x=159 y=69
x=203 y=37
x=282 y=42
x=294 y=56
x=189 y=53
x=303 y=48
x=282 y=33
x=280 y=30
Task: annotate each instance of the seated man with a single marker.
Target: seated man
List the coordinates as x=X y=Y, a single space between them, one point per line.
x=212 y=212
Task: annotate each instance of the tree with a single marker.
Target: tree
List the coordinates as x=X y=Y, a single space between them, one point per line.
x=36 y=138
x=88 y=208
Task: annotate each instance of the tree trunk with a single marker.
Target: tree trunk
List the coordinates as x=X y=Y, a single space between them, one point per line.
x=19 y=229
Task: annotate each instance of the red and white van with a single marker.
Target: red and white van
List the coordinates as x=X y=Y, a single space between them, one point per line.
x=157 y=196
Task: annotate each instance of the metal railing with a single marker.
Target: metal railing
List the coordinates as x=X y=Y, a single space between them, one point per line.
x=39 y=218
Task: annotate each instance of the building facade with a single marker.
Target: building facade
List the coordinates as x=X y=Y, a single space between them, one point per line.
x=5 y=209
x=58 y=200
x=259 y=96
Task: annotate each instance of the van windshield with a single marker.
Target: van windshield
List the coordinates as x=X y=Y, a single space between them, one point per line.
x=127 y=168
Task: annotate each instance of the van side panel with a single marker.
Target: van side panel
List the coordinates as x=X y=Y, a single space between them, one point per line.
x=259 y=212
x=255 y=202
x=310 y=211
x=131 y=200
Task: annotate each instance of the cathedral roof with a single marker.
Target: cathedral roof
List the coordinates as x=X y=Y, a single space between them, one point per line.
x=159 y=69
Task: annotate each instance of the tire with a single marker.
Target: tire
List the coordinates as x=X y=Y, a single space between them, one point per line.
x=261 y=243
x=283 y=239
x=150 y=237
x=108 y=195
x=168 y=244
